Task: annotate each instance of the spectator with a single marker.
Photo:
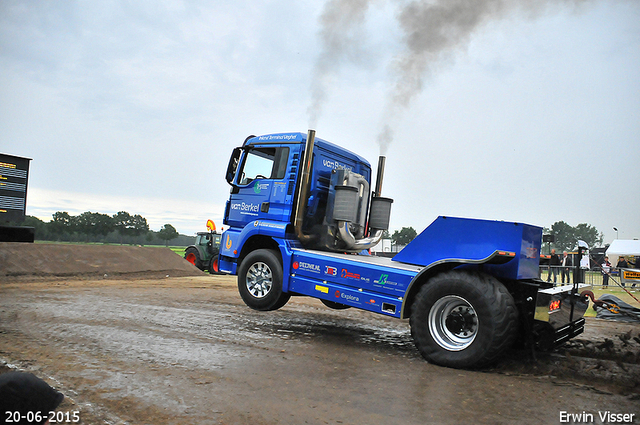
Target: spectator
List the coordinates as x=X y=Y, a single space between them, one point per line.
x=554 y=263
x=566 y=267
x=606 y=269
x=29 y=395
x=622 y=264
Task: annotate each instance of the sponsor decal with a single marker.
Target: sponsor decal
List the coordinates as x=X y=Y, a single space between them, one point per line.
x=306 y=266
x=269 y=225
x=346 y=297
x=315 y=268
x=259 y=187
x=531 y=252
x=335 y=165
x=323 y=289
x=331 y=271
x=349 y=297
x=627 y=274
x=229 y=243
x=243 y=207
x=279 y=137
x=347 y=274
x=384 y=280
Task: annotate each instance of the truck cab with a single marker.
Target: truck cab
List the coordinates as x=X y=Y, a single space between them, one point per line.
x=266 y=175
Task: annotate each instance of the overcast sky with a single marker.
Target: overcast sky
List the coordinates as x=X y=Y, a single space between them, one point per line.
x=491 y=110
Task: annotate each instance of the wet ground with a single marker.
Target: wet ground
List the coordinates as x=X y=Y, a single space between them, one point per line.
x=186 y=350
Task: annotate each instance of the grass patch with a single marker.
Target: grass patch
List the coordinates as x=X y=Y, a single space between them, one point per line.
x=178 y=250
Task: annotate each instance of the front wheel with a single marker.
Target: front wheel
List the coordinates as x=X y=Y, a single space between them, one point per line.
x=260 y=281
x=463 y=320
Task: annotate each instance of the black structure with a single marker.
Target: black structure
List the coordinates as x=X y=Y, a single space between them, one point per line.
x=14 y=176
x=17 y=234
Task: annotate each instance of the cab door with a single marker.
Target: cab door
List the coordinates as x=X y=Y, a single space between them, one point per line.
x=259 y=186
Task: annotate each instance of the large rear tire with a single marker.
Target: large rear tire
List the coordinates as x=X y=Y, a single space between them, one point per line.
x=193 y=256
x=463 y=320
x=260 y=281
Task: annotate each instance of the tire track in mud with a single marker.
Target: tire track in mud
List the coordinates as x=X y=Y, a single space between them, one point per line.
x=153 y=331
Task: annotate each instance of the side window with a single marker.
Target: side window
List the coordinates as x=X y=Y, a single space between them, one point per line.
x=280 y=166
x=264 y=163
x=258 y=165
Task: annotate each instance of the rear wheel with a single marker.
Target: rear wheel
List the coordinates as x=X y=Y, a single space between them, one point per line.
x=463 y=320
x=260 y=281
x=193 y=256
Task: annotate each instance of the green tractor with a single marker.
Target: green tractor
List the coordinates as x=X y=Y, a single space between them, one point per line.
x=204 y=253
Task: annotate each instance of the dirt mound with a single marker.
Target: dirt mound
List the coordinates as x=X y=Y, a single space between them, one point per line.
x=47 y=260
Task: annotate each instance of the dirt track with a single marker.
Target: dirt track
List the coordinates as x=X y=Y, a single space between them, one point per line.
x=183 y=350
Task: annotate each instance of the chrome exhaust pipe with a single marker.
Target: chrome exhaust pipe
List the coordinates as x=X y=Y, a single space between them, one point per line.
x=303 y=188
x=379 y=176
x=358 y=244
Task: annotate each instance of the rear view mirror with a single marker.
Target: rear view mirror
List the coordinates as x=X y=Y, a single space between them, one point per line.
x=233 y=165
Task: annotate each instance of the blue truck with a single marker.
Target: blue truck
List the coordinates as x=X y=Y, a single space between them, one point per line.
x=302 y=216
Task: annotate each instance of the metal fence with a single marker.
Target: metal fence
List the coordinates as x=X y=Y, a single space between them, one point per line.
x=593 y=277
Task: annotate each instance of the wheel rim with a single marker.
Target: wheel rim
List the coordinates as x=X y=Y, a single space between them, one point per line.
x=215 y=265
x=259 y=280
x=191 y=257
x=453 y=323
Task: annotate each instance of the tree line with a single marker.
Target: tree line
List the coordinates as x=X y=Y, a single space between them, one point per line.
x=122 y=228
x=125 y=228
x=402 y=237
x=566 y=237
